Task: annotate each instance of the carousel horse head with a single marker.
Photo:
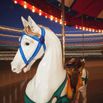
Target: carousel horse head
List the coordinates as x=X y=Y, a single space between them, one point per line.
x=36 y=42
x=31 y=46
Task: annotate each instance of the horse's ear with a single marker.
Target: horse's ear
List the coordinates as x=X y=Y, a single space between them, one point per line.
x=34 y=27
x=24 y=22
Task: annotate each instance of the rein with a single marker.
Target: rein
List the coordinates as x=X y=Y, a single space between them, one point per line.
x=41 y=42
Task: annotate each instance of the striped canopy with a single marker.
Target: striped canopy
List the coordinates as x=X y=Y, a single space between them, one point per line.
x=10 y=37
x=75 y=39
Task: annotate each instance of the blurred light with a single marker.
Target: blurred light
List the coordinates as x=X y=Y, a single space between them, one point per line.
x=65 y=23
x=90 y=29
x=83 y=28
x=15 y=2
x=33 y=9
x=96 y=30
x=40 y=13
x=45 y=16
x=76 y=27
x=99 y=31
x=51 y=18
x=80 y=27
x=60 y=21
x=93 y=30
x=86 y=29
x=56 y=20
x=25 y=5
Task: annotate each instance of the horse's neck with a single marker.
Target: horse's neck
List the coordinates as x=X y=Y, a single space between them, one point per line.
x=50 y=73
x=51 y=67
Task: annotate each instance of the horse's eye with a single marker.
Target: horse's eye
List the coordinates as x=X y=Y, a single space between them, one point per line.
x=27 y=43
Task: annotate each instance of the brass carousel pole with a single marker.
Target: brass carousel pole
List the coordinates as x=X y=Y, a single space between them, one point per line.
x=63 y=33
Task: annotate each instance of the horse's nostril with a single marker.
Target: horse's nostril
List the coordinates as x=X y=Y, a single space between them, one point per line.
x=14 y=69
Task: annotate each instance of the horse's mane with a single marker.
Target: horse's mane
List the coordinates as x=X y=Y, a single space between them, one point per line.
x=45 y=27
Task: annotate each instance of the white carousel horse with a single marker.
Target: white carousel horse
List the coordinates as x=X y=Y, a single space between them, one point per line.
x=49 y=83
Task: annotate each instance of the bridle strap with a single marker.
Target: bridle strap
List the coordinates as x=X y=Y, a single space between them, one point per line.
x=22 y=55
x=41 y=42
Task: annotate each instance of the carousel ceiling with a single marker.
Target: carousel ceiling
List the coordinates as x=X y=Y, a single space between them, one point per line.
x=87 y=13
x=51 y=9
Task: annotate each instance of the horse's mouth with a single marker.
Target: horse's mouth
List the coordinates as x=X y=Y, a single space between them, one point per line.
x=18 y=70
x=24 y=67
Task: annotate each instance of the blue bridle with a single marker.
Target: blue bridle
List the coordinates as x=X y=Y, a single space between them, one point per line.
x=41 y=42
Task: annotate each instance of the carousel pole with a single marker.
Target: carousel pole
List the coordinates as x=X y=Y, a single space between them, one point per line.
x=83 y=49
x=63 y=33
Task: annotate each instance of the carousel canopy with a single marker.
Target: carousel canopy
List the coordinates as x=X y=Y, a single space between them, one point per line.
x=76 y=39
x=10 y=15
x=88 y=13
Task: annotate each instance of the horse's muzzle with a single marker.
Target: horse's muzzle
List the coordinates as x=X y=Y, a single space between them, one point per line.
x=14 y=68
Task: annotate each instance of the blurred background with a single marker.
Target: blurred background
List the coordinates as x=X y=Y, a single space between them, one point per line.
x=83 y=30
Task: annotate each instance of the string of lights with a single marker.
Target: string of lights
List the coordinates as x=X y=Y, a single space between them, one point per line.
x=88 y=29
x=38 y=11
x=51 y=17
